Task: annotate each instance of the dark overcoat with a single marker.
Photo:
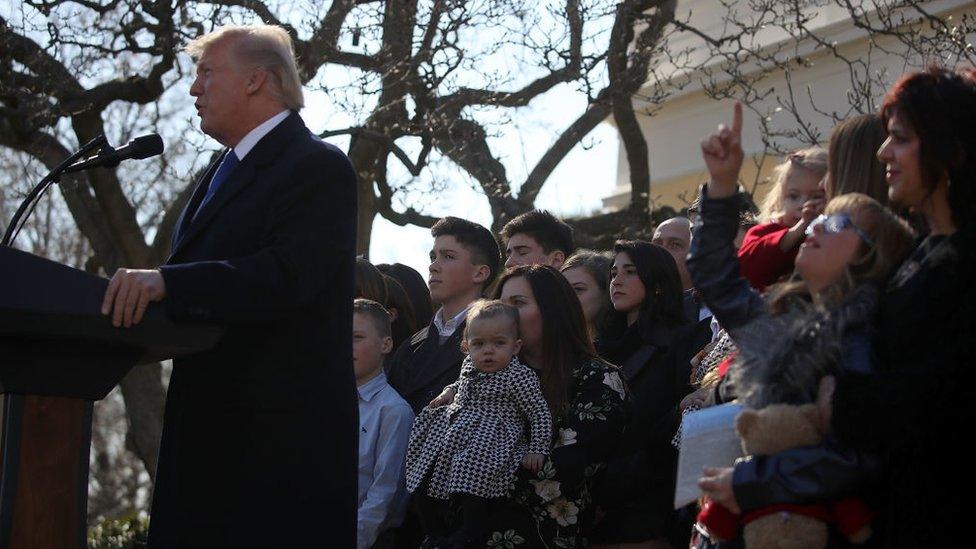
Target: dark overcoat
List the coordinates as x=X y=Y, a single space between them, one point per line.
x=638 y=489
x=422 y=367
x=259 y=444
x=916 y=408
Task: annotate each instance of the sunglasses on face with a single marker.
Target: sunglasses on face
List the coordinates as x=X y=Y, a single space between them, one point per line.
x=835 y=223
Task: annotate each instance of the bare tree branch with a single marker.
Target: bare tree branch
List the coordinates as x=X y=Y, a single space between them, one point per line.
x=520 y=98
x=595 y=113
x=442 y=77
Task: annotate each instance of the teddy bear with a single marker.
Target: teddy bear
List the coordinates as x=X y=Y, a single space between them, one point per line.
x=770 y=430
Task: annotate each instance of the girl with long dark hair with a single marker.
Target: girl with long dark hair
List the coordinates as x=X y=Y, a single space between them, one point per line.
x=653 y=343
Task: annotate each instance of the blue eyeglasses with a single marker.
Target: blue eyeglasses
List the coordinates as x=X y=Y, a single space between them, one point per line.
x=835 y=223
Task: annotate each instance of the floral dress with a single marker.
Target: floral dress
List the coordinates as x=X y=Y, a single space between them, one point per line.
x=475 y=444
x=553 y=507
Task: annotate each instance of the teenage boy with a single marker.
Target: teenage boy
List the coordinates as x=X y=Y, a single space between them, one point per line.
x=537 y=238
x=463 y=263
x=384 y=428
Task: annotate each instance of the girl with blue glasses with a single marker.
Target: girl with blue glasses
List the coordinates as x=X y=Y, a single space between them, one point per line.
x=833 y=224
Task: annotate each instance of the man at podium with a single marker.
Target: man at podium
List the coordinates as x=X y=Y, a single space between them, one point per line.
x=259 y=436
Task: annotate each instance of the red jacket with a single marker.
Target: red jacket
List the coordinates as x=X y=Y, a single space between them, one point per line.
x=761 y=261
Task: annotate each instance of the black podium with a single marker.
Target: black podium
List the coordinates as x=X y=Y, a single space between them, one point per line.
x=58 y=354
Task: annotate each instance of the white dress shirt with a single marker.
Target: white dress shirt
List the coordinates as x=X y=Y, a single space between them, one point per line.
x=447 y=329
x=255 y=135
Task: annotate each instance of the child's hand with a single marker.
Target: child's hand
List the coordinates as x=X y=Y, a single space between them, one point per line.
x=722 y=152
x=716 y=483
x=443 y=399
x=811 y=209
x=533 y=462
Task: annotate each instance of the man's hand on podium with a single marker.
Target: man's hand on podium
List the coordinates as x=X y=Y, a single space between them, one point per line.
x=129 y=293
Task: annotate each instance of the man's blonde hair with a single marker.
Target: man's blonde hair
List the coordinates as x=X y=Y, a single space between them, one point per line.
x=268 y=47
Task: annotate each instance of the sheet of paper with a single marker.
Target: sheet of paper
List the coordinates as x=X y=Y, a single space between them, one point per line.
x=708 y=439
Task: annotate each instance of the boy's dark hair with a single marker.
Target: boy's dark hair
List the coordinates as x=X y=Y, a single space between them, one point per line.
x=376 y=313
x=548 y=230
x=476 y=239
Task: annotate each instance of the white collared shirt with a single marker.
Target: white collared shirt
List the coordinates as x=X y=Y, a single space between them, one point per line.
x=447 y=329
x=255 y=135
x=713 y=325
x=704 y=312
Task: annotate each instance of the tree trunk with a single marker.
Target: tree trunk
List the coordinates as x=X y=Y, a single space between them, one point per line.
x=145 y=398
x=635 y=147
x=364 y=219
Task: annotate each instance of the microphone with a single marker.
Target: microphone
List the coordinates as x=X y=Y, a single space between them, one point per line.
x=108 y=157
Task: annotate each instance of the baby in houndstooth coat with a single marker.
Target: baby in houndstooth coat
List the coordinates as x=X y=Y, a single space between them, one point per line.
x=466 y=446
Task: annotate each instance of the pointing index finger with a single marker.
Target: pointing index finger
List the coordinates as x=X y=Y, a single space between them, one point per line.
x=737 y=119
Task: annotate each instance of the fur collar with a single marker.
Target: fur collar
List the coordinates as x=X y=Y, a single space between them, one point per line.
x=783 y=357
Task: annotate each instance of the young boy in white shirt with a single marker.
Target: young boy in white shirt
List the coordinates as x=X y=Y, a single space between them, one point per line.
x=384 y=429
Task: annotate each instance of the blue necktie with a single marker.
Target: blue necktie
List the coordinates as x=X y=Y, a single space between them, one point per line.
x=224 y=170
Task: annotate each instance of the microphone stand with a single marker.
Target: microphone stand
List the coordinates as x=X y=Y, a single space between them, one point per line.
x=27 y=206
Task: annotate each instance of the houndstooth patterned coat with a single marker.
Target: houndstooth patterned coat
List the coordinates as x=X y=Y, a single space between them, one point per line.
x=476 y=444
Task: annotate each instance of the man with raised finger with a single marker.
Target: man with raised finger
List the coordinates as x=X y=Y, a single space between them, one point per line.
x=259 y=443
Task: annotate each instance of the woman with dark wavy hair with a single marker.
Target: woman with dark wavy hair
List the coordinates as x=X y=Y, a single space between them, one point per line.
x=653 y=343
x=915 y=407
x=587 y=400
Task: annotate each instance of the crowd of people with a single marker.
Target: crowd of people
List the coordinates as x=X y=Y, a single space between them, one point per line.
x=533 y=395
x=538 y=400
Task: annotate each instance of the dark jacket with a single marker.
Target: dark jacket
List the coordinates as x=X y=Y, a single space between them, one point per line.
x=804 y=344
x=421 y=369
x=914 y=408
x=261 y=431
x=638 y=489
